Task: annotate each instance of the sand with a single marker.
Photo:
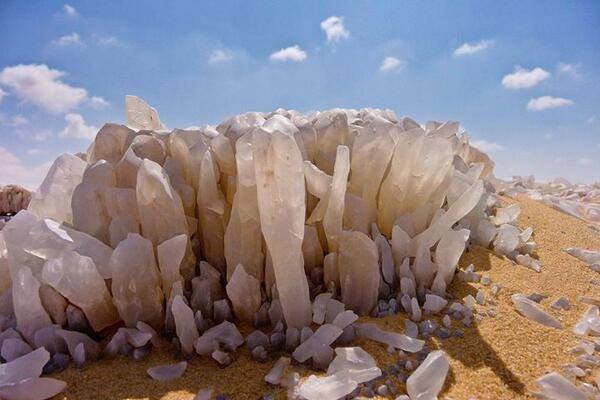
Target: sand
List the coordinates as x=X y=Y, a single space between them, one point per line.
x=498 y=358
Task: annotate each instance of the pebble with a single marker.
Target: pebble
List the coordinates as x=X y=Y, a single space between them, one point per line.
x=382 y=390
x=562 y=303
x=537 y=297
x=495 y=289
x=480 y=297
x=485 y=280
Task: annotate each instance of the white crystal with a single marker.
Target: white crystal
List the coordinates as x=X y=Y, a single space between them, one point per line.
x=587 y=256
x=140 y=115
x=323 y=337
x=32 y=389
x=393 y=339
x=355 y=363
x=244 y=292
x=276 y=373
x=555 y=387
x=164 y=373
x=170 y=254
x=281 y=202
x=185 y=324
x=136 y=282
x=427 y=381
x=29 y=312
x=532 y=311
x=77 y=278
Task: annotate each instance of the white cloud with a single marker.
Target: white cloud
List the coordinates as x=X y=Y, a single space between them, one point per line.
x=2 y=94
x=488 y=147
x=107 y=41
x=72 y=39
x=36 y=152
x=547 y=102
x=98 y=102
x=15 y=172
x=70 y=10
x=42 y=136
x=570 y=69
x=525 y=79
x=472 y=48
x=390 y=64
x=76 y=128
x=293 y=53
x=37 y=84
x=334 y=29
x=583 y=161
x=15 y=120
x=219 y=56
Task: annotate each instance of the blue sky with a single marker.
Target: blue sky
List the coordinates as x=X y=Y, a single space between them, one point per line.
x=522 y=77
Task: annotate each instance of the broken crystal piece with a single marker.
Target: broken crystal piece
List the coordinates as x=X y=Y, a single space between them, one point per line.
x=276 y=373
x=167 y=372
x=532 y=311
x=427 y=381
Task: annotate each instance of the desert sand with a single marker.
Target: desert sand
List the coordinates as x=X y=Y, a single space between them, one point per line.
x=498 y=358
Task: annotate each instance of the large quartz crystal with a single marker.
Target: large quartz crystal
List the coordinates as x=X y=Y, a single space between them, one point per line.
x=136 y=284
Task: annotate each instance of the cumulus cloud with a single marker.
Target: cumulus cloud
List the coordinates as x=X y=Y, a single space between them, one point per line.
x=524 y=79
x=2 y=94
x=98 y=102
x=293 y=53
x=488 y=147
x=391 y=64
x=547 y=102
x=76 y=128
x=584 y=161
x=72 y=39
x=16 y=172
x=472 y=48
x=37 y=84
x=219 y=56
x=334 y=29
x=70 y=10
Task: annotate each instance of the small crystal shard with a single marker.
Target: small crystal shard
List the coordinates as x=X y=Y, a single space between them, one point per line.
x=532 y=311
x=169 y=372
x=276 y=373
x=244 y=292
x=555 y=387
x=185 y=325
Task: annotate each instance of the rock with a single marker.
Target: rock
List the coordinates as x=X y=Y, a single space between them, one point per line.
x=73 y=339
x=244 y=292
x=532 y=311
x=77 y=278
x=561 y=303
x=225 y=334
x=164 y=373
x=185 y=325
x=427 y=380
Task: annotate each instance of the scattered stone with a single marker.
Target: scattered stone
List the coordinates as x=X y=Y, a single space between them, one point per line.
x=168 y=372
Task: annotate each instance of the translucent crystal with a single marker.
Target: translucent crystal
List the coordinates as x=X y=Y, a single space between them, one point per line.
x=323 y=337
x=77 y=278
x=164 y=373
x=170 y=254
x=332 y=220
x=32 y=389
x=393 y=339
x=140 y=115
x=276 y=373
x=556 y=387
x=13 y=348
x=427 y=381
x=355 y=364
x=29 y=312
x=532 y=311
x=331 y=387
x=587 y=256
x=136 y=282
x=244 y=292
x=185 y=325
x=359 y=271
x=281 y=203
x=53 y=198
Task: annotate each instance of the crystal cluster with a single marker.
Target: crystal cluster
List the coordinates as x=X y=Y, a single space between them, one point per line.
x=13 y=198
x=296 y=224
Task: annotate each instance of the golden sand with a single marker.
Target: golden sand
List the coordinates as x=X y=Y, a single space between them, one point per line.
x=498 y=358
